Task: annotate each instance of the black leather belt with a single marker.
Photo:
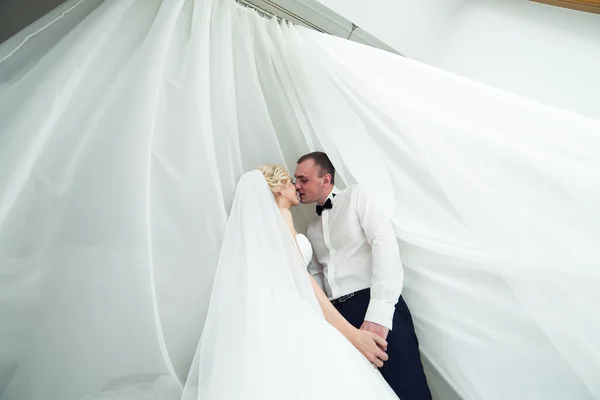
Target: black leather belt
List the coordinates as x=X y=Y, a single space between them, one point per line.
x=348 y=296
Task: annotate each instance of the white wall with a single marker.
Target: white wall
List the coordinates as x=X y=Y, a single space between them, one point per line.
x=545 y=53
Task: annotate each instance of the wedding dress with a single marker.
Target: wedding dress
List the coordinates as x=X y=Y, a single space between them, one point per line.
x=305 y=248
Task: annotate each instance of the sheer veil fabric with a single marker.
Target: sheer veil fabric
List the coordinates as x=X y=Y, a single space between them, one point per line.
x=125 y=127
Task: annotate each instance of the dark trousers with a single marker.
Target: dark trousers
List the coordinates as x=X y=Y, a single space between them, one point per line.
x=403 y=371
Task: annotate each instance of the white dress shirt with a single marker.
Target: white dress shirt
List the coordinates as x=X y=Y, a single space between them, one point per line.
x=355 y=248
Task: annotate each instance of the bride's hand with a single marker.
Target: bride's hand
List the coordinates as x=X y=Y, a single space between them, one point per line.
x=371 y=345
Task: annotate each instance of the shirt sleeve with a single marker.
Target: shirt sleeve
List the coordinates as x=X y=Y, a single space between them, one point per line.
x=388 y=273
x=314 y=267
x=316 y=270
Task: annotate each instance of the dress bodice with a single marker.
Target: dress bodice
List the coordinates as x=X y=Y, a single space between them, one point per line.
x=305 y=248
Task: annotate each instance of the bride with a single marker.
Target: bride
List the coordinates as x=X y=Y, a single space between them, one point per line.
x=271 y=332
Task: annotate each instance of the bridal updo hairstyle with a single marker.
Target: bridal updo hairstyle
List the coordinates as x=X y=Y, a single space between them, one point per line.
x=275 y=175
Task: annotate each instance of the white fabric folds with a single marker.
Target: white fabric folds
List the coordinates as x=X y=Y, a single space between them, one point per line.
x=126 y=125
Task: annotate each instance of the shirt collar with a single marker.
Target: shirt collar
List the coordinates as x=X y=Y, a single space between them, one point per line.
x=334 y=192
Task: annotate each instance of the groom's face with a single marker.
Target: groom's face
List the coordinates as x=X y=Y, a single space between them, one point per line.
x=309 y=184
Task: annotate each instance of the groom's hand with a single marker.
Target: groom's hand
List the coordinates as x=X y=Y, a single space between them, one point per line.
x=371 y=345
x=377 y=329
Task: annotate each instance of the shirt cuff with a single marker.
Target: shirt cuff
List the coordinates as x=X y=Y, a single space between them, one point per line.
x=380 y=312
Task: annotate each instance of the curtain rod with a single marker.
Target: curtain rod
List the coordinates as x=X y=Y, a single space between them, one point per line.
x=268 y=14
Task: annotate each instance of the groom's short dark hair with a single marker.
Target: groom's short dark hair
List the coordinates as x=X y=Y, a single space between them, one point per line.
x=322 y=161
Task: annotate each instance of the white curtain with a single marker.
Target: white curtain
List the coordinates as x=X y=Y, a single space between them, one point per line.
x=126 y=124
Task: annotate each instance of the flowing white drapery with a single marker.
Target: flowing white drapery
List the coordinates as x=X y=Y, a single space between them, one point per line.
x=125 y=126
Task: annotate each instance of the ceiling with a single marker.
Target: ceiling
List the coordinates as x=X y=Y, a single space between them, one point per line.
x=17 y=14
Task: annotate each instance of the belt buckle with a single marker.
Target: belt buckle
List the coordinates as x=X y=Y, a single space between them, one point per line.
x=346 y=297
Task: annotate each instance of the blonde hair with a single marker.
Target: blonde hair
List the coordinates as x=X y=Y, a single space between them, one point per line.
x=275 y=175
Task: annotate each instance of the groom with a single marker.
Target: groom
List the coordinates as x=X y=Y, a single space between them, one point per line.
x=357 y=259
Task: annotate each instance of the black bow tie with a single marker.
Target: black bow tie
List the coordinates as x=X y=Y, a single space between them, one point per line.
x=327 y=206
